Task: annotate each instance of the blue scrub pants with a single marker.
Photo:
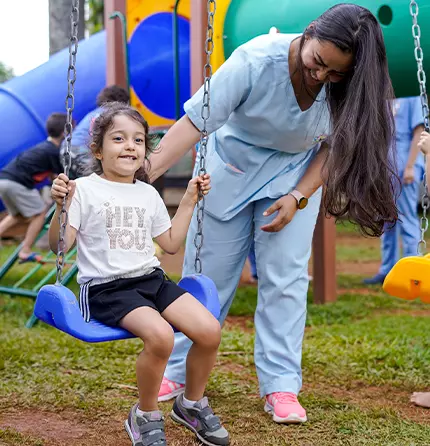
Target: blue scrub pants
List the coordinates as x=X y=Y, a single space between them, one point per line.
x=282 y=263
x=408 y=229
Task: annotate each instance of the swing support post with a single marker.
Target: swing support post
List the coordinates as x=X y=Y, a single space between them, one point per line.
x=324 y=260
x=115 y=46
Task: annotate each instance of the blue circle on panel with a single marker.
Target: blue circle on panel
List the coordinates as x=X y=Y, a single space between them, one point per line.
x=151 y=56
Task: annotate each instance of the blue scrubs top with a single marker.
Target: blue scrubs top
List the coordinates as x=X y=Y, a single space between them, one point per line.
x=408 y=115
x=260 y=139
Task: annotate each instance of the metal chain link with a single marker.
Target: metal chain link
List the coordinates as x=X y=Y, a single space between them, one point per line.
x=68 y=129
x=205 y=114
x=419 y=57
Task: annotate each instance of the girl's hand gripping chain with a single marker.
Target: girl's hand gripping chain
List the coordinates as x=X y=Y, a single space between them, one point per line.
x=61 y=187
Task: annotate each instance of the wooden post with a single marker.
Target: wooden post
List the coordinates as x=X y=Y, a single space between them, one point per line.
x=324 y=260
x=197 y=41
x=115 y=61
x=198 y=29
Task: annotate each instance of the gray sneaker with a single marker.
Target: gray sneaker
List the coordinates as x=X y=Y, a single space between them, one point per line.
x=147 y=430
x=202 y=421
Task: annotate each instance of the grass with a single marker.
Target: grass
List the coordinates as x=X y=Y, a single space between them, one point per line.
x=362 y=356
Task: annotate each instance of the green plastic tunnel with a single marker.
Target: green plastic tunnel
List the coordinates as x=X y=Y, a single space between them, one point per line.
x=246 y=19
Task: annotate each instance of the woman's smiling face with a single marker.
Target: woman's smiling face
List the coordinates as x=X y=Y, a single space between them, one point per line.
x=324 y=62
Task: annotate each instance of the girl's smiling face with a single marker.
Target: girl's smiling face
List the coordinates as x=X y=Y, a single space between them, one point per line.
x=123 y=151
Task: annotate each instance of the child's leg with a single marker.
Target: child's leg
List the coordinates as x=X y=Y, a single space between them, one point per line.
x=421 y=399
x=9 y=222
x=28 y=203
x=157 y=335
x=33 y=230
x=191 y=318
x=7 y=195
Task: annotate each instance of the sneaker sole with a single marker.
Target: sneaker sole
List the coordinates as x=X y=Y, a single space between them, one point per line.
x=179 y=420
x=293 y=418
x=128 y=430
x=171 y=395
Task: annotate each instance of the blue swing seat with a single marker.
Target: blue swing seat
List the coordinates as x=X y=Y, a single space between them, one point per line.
x=56 y=305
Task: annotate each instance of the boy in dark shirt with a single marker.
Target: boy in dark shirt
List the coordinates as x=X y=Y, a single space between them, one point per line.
x=18 y=181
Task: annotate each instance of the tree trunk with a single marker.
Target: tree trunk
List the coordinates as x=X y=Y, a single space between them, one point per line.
x=60 y=26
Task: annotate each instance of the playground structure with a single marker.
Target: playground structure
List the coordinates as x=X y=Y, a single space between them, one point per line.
x=162 y=63
x=164 y=47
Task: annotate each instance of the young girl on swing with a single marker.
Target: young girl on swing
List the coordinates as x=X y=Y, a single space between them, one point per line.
x=114 y=215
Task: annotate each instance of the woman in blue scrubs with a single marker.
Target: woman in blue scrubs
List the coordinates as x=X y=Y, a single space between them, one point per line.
x=288 y=116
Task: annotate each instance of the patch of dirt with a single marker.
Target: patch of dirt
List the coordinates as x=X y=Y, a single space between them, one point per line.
x=68 y=429
x=358 y=268
x=244 y=323
x=382 y=397
x=64 y=428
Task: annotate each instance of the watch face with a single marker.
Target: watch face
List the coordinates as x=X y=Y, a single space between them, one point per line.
x=303 y=202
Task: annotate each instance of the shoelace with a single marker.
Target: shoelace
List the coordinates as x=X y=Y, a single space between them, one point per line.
x=284 y=397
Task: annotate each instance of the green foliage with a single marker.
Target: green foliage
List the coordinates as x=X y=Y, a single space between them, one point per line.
x=95 y=22
x=6 y=73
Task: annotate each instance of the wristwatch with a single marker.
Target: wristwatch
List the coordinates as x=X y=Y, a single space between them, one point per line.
x=302 y=201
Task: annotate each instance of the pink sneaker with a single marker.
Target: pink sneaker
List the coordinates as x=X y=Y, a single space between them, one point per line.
x=285 y=408
x=169 y=390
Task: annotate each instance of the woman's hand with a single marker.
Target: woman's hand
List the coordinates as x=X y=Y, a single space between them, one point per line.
x=192 y=192
x=286 y=207
x=61 y=187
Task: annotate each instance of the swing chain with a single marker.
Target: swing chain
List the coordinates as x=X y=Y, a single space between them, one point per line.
x=205 y=114
x=419 y=57
x=68 y=129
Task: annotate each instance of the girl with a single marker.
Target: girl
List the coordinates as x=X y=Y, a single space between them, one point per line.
x=114 y=215
x=288 y=115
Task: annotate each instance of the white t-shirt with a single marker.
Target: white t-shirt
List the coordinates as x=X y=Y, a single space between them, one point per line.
x=115 y=225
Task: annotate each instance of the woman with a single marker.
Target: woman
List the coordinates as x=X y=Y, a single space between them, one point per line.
x=287 y=116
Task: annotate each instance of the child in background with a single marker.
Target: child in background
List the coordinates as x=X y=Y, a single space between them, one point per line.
x=114 y=215
x=18 y=181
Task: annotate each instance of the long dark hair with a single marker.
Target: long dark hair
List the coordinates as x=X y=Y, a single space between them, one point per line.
x=104 y=122
x=359 y=176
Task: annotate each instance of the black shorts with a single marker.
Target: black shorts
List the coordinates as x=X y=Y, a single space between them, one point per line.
x=110 y=302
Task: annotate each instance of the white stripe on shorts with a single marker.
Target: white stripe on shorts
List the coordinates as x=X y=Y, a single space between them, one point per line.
x=84 y=305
